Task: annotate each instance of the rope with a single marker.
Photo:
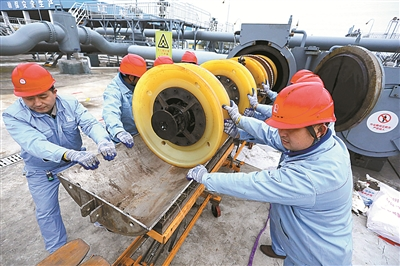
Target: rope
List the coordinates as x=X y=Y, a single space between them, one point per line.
x=253 y=251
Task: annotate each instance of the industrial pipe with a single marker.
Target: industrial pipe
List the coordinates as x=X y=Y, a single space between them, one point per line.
x=33 y=35
x=88 y=36
x=24 y=39
x=199 y=35
x=150 y=53
x=325 y=43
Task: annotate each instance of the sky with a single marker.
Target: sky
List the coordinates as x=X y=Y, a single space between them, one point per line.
x=316 y=17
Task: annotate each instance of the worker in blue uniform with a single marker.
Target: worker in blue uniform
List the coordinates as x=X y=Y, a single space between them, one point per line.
x=47 y=127
x=117 y=104
x=310 y=192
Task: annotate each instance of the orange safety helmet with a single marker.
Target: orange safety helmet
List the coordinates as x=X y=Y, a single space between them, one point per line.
x=300 y=105
x=163 y=59
x=310 y=77
x=30 y=79
x=299 y=74
x=189 y=57
x=132 y=64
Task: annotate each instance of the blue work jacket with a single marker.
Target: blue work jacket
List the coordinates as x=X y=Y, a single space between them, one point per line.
x=44 y=139
x=310 y=195
x=117 y=108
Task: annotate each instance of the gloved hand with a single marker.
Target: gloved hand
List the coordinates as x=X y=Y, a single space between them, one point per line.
x=107 y=149
x=267 y=90
x=230 y=128
x=253 y=99
x=125 y=138
x=266 y=86
x=196 y=173
x=84 y=158
x=249 y=112
x=233 y=112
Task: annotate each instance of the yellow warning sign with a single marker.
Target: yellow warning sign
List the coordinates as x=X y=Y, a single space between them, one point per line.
x=163 y=43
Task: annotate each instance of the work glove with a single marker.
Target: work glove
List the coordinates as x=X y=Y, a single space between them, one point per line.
x=107 y=149
x=88 y=160
x=266 y=86
x=253 y=99
x=249 y=112
x=267 y=90
x=230 y=128
x=125 y=138
x=196 y=173
x=233 y=112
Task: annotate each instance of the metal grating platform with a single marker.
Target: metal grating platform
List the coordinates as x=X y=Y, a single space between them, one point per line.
x=10 y=160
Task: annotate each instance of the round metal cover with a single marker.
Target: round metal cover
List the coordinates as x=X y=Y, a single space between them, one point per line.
x=354 y=77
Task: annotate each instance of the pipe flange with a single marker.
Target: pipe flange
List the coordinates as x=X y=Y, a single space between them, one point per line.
x=52 y=32
x=88 y=39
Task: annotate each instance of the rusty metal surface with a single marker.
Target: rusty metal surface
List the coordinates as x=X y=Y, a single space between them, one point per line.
x=130 y=194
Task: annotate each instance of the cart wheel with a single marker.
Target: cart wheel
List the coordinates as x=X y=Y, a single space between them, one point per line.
x=216 y=211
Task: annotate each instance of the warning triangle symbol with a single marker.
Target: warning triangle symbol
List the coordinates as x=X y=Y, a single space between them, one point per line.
x=163 y=42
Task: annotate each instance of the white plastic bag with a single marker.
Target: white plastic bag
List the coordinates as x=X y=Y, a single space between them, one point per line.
x=384 y=213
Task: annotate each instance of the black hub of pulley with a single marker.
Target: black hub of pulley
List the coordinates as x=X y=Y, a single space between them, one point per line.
x=178 y=117
x=231 y=88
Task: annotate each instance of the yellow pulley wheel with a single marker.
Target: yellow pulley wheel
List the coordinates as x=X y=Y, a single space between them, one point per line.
x=272 y=68
x=236 y=79
x=256 y=69
x=178 y=115
x=216 y=86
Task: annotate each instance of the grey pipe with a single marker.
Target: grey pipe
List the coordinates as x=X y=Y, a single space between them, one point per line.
x=150 y=53
x=199 y=35
x=189 y=35
x=88 y=36
x=325 y=43
x=303 y=39
x=29 y=36
x=24 y=39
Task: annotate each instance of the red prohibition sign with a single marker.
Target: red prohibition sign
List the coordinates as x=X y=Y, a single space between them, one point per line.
x=384 y=118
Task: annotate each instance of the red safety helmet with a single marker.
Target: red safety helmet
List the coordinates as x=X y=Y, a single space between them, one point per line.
x=309 y=77
x=133 y=64
x=300 y=105
x=189 y=57
x=30 y=79
x=299 y=74
x=163 y=59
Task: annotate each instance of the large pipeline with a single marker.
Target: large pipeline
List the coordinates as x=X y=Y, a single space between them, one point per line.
x=27 y=37
x=88 y=36
x=323 y=42
x=186 y=35
x=326 y=43
x=24 y=39
x=42 y=35
x=150 y=53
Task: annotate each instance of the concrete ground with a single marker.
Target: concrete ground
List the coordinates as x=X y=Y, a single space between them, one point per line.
x=226 y=240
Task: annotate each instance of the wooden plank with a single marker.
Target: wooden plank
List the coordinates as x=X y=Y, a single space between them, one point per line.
x=70 y=254
x=95 y=260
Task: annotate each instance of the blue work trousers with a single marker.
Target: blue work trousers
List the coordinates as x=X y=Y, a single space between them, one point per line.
x=48 y=214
